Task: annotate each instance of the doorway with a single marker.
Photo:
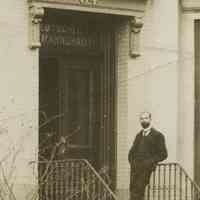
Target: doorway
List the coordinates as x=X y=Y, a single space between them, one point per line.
x=77 y=85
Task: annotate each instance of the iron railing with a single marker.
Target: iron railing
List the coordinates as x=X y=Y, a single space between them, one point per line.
x=171 y=182
x=72 y=180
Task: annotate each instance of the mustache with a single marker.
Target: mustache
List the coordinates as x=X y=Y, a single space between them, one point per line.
x=145 y=124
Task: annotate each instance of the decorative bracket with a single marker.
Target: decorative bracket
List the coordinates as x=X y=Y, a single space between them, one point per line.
x=136 y=25
x=36 y=14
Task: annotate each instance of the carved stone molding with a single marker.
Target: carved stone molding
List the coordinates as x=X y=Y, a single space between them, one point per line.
x=136 y=25
x=93 y=2
x=36 y=14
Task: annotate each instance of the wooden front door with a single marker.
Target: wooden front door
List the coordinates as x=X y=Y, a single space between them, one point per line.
x=69 y=103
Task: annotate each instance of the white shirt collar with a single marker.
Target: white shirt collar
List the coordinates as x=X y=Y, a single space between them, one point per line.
x=146 y=131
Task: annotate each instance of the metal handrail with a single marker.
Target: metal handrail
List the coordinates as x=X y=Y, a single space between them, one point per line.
x=170 y=181
x=72 y=179
x=100 y=179
x=184 y=171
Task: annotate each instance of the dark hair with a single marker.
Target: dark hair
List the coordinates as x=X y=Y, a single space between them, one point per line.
x=145 y=112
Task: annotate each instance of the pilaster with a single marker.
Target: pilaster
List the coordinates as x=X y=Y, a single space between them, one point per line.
x=36 y=14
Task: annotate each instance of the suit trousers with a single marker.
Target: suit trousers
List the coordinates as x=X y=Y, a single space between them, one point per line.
x=139 y=179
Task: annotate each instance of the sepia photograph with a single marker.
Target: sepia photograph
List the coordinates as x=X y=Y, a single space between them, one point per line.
x=100 y=100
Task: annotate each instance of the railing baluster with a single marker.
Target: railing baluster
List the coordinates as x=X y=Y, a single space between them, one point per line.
x=186 y=187
x=71 y=180
x=64 y=171
x=63 y=180
x=192 y=196
x=164 y=182
x=194 y=193
x=93 y=188
x=56 y=181
x=67 y=180
x=41 y=187
x=47 y=183
x=154 y=185
x=181 y=184
x=105 y=194
x=51 y=175
x=169 y=182
x=159 y=182
x=102 y=195
x=100 y=191
x=77 y=180
x=175 y=181
x=59 y=180
x=61 y=177
x=82 y=180
x=198 y=194
x=88 y=184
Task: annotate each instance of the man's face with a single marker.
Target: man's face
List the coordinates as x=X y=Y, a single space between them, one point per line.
x=145 y=120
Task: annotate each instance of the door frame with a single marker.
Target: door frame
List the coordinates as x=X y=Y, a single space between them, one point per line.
x=197 y=102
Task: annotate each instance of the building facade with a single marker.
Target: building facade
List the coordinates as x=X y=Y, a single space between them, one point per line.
x=129 y=56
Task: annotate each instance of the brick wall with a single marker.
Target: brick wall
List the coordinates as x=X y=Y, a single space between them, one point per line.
x=19 y=95
x=122 y=40
x=186 y=92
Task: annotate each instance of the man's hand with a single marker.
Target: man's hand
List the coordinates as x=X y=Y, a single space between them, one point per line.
x=149 y=163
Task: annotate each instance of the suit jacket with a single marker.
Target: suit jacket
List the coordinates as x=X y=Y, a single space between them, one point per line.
x=157 y=148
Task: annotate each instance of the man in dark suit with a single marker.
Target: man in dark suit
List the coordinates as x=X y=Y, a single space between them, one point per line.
x=147 y=150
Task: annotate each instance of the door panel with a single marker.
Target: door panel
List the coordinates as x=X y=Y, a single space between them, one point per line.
x=78 y=104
